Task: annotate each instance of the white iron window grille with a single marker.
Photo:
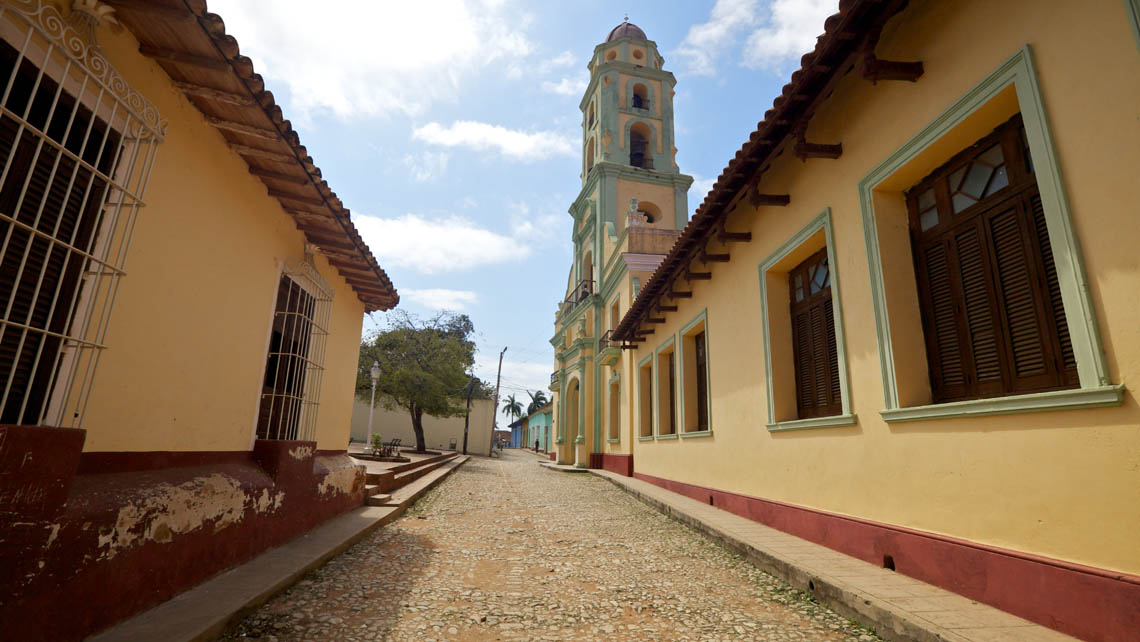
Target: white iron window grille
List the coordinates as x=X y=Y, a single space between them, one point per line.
x=294 y=367
x=76 y=147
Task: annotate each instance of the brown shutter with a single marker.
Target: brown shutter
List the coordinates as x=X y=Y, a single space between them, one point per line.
x=816 y=356
x=988 y=291
x=1068 y=360
x=702 y=382
x=941 y=312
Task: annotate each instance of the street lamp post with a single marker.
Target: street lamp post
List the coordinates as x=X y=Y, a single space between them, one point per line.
x=375 y=372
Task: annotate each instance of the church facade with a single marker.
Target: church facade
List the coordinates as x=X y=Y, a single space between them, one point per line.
x=902 y=323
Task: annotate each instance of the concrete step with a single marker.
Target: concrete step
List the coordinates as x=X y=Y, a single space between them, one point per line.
x=371 y=490
x=378 y=499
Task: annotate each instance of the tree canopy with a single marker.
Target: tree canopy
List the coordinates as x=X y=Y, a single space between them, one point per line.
x=425 y=366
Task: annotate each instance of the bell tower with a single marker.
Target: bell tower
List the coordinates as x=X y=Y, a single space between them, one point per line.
x=630 y=209
x=627 y=121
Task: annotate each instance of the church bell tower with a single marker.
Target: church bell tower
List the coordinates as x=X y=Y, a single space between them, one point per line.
x=631 y=207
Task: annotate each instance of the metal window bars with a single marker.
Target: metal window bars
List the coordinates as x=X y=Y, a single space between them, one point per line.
x=294 y=366
x=76 y=148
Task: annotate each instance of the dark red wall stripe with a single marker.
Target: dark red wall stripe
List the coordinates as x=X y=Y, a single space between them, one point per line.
x=1084 y=601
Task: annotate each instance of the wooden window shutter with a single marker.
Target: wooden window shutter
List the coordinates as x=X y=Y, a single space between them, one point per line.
x=702 y=381
x=815 y=352
x=988 y=292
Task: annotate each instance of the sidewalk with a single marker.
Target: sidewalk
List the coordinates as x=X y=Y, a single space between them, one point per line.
x=898 y=607
x=202 y=613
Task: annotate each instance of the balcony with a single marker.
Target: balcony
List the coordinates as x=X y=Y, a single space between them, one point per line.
x=649 y=240
x=553 y=387
x=579 y=293
x=609 y=351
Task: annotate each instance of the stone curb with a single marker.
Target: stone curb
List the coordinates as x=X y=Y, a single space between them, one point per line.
x=205 y=612
x=889 y=621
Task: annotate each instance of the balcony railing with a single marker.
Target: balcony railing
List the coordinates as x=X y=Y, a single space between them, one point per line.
x=639 y=158
x=640 y=103
x=578 y=294
x=605 y=341
x=553 y=377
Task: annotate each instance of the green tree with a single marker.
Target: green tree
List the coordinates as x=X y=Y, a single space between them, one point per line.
x=513 y=407
x=424 y=366
x=537 y=400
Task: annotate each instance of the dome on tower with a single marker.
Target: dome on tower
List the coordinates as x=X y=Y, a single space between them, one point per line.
x=626 y=30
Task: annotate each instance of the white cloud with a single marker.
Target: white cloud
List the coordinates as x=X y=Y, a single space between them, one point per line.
x=375 y=58
x=791 y=32
x=431 y=246
x=707 y=41
x=441 y=299
x=450 y=243
x=698 y=190
x=565 y=86
x=564 y=59
x=427 y=165
x=787 y=31
x=519 y=145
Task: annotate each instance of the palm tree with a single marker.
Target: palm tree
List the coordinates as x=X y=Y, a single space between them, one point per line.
x=537 y=400
x=512 y=407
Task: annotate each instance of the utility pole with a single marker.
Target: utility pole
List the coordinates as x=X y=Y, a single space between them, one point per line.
x=467 y=417
x=495 y=415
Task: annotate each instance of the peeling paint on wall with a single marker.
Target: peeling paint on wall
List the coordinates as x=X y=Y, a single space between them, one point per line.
x=166 y=510
x=342 y=480
x=301 y=453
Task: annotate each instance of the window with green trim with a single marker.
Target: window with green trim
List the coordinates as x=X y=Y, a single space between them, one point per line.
x=667 y=392
x=989 y=295
x=645 y=398
x=695 y=378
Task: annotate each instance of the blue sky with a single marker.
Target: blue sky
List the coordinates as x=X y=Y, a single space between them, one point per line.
x=451 y=129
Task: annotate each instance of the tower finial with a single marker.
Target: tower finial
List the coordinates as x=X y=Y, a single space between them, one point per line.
x=626 y=16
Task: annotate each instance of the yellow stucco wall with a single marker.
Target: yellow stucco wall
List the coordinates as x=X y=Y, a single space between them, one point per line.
x=190 y=329
x=438 y=432
x=1060 y=484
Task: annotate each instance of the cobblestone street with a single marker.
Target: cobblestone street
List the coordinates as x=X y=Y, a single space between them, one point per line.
x=507 y=550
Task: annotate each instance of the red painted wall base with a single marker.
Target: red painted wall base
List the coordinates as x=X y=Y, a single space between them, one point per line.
x=1089 y=603
x=596 y=461
x=620 y=464
x=128 y=533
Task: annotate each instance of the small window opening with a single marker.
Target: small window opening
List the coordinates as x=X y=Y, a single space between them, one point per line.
x=639 y=152
x=640 y=96
x=888 y=562
x=611 y=55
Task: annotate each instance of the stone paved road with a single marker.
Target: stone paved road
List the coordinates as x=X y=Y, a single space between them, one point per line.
x=507 y=550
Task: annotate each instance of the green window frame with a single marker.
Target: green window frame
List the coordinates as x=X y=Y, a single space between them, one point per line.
x=1096 y=390
x=683 y=384
x=822 y=222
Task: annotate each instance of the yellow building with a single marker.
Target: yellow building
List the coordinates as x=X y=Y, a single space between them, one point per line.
x=181 y=298
x=903 y=324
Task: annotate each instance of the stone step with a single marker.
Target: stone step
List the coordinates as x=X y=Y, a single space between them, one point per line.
x=378 y=499
x=371 y=490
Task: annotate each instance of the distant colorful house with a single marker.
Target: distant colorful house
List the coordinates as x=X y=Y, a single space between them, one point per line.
x=518 y=431
x=538 y=427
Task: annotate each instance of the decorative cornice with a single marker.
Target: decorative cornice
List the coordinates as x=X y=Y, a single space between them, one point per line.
x=642 y=262
x=81 y=48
